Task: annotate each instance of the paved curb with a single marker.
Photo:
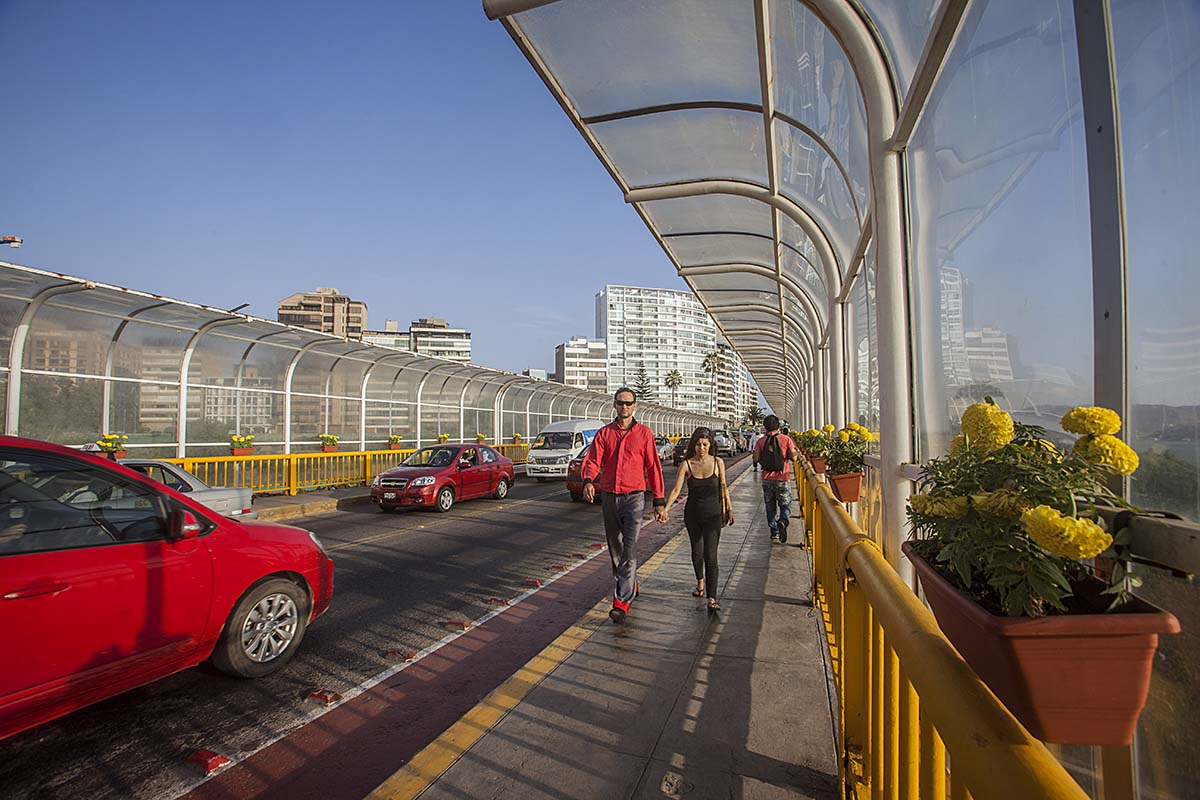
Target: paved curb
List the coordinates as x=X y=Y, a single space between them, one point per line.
x=294 y=510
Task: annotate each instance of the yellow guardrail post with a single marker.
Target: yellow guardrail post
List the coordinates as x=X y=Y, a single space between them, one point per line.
x=292 y=482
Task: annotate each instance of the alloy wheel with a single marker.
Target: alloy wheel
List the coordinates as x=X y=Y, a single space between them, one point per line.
x=269 y=628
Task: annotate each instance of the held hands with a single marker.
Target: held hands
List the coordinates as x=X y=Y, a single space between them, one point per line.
x=589 y=492
x=661 y=514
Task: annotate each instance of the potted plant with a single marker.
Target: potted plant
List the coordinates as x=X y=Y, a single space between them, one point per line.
x=1006 y=522
x=329 y=442
x=480 y=438
x=395 y=442
x=845 y=462
x=113 y=444
x=815 y=444
x=517 y=438
x=241 y=445
x=443 y=438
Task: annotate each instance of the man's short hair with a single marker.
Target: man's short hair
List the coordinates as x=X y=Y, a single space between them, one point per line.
x=621 y=391
x=771 y=422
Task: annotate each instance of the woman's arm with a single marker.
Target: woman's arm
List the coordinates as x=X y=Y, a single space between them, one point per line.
x=679 y=479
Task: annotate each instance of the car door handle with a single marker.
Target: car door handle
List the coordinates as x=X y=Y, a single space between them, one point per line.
x=37 y=591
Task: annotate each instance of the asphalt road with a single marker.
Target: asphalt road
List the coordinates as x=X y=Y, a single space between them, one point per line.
x=399 y=579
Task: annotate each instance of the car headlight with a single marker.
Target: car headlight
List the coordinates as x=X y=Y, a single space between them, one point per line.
x=562 y=460
x=317 y=542
x=377 y=480
x=428 y=480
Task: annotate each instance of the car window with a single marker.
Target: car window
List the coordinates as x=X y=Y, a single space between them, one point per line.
x=163 y=476
x=468 y=454
x=489 y=455
x=50 y=502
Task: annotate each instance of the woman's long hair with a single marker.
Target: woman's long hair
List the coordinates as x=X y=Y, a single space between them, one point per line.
x=698 y=434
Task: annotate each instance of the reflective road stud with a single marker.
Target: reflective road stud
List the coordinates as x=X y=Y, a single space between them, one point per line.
x=207 y=761
x=325 y=696
x=532 y=582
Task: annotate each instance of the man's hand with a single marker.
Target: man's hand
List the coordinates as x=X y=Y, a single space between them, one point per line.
x=13 y=532
x=589 y=492
x=661 y=514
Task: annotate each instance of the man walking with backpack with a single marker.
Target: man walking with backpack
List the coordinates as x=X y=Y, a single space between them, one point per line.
x=775 y=452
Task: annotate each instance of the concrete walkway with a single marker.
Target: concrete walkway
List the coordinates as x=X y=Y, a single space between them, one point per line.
x=675 y=703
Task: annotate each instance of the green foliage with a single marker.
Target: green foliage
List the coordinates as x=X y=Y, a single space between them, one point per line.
x=990 y=557
x=815 y=443
x=642 y=385
x=846 y=456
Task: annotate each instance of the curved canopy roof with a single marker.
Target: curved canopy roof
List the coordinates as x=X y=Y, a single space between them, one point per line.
x=737 y=130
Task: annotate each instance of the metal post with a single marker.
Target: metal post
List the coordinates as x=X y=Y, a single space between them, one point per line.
x=184 y=368
x=837 y=367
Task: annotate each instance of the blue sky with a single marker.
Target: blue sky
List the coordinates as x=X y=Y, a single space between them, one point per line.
x=233 y=152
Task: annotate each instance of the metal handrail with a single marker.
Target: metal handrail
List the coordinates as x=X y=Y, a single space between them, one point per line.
x=292 y=473
x=907 y=697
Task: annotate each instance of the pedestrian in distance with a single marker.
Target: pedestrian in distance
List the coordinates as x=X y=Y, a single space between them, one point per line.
x=708 y=508
x=623 y=462
x=775 y=453
x=754 y=437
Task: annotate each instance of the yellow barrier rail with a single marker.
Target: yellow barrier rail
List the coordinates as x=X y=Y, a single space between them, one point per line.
x=914 y=716
x=297 y=472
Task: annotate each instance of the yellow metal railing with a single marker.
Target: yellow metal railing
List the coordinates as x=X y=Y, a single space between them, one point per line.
x=297 y=472
x=914 y=717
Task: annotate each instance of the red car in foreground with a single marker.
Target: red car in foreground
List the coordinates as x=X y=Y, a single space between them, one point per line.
x=110 y=580
x=575 y=477
x=438 y=477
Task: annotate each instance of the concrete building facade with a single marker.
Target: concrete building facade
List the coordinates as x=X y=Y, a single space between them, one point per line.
x=582 y=363
x=432 y=336
x=326 y=310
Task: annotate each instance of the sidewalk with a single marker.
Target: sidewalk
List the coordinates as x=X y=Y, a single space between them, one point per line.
x=675 y=703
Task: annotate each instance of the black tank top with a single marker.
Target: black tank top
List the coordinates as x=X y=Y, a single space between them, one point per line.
x=704 y=495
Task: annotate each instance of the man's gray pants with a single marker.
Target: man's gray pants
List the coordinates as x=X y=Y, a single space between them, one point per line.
x=622 y=521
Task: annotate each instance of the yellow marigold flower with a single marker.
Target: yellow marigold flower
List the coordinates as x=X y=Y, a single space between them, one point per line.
x=987 y=427
x=957 y=445
x=1108 y=450
x=950 y=507
x=1001 y=503
x=1091 y=420
x=1065 y=536
x=827 y=428
x=844 y=436
x=865 y=435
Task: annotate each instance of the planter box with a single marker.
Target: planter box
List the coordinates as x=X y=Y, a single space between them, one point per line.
x=241 y=451
x=818 y=465
x=1069 y=679
x=115 y=454
x=395 y=445
x=846 y=487
x=329 y=448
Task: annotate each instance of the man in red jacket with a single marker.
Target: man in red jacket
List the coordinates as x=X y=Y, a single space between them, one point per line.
x=622 y=460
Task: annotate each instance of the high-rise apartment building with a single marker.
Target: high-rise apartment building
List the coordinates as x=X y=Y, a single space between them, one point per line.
x=662 y=330
x=326 y=310
x=390 y=336
x=735 y=393
x=954 y=296
x=989 y=355
x=582 y=363
x=431 y=336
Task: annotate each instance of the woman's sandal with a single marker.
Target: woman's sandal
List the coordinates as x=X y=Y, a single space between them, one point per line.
x=713 y=605
x=699 y=590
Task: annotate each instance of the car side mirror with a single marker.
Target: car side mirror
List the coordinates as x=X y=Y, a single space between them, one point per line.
x=184 y=524
x=463 y=463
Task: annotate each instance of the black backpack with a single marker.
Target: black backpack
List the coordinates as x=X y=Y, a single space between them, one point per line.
x=771 y=457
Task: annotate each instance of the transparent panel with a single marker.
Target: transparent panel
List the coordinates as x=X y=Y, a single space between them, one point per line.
x=800 y=270
x=905 y=27
x=10 y=315
x=710 y=212
x=63 y=410
x=66 y=340
x=1158 y=74
x=734 y=281
x=812 y=179
x=312 y=373
x=695 y=144
x=1001 y=260
x=386 y=419
x=815 y=86
x=722 y=248
x=626 y=54
x=24 y=285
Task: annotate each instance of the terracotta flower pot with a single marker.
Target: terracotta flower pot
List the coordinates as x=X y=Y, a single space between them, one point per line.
x=395 y=445
x=818 y=465
x=846 y=487
x=115 y=454
x=1070 y=678
x=241 y=451
x=329 y=448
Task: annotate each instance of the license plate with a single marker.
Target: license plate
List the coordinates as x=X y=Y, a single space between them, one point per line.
x=389 y=495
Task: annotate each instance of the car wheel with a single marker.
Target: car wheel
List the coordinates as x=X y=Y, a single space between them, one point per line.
x=501 y=489
x=263 y=631
x=445 y=499
x=576 y=497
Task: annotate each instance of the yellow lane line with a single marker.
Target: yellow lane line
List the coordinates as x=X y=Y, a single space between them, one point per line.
x=439 y=755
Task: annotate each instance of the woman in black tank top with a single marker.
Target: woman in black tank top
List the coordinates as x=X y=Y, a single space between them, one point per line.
x=707 y=508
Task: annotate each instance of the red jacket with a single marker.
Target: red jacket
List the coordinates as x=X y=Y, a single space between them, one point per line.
x=624 y=460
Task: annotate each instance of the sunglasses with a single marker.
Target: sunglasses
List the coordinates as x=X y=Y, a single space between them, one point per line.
x=624 y=402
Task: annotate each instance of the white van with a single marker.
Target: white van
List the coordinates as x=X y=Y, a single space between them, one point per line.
x=555 y=446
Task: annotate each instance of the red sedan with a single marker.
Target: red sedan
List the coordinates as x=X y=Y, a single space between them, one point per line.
x=575 y=477
x=438 y=477
x=110 y=580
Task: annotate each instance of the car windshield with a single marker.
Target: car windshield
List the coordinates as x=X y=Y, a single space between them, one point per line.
x=554 y=441
x=431 y=457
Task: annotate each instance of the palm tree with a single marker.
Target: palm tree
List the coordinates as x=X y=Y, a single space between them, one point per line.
x=673 y=381
x=713 y=363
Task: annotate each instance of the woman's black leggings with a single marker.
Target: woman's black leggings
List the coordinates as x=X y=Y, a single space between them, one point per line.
x=705 y=534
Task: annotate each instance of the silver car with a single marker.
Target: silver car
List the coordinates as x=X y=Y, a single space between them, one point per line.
x=226 y=502
x=723 y=443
